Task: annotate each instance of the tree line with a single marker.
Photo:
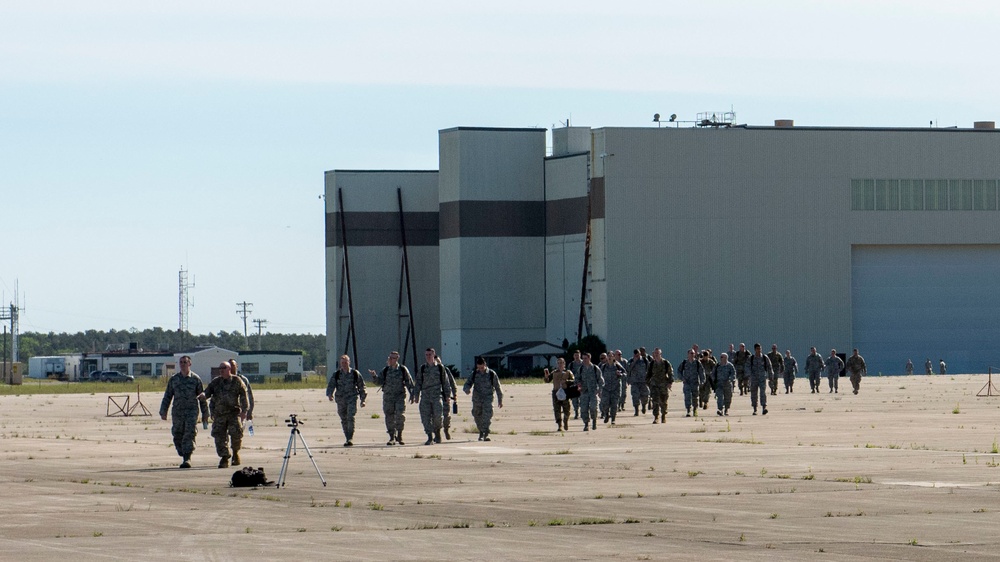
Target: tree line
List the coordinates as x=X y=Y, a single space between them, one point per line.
x=30 y=344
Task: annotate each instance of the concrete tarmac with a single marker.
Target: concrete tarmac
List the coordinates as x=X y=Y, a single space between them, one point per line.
x=907 y=470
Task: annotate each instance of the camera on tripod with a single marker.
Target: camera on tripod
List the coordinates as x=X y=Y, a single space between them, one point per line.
x=293 y=421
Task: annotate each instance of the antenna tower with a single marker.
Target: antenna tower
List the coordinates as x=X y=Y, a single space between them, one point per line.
x=183 y=301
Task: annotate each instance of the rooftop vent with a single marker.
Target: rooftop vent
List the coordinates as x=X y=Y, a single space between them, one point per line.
x=984 y=125
x=784 y=123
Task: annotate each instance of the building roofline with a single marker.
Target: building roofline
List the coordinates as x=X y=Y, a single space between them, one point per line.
x=380 y=172
x=570 y=155
x=497 y=129
x=817 y=128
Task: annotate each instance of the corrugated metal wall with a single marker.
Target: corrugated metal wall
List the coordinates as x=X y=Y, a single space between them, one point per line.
x=726 y=235
x=376 y=269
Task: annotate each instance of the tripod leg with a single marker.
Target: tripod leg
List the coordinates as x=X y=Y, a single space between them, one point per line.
x=284 y=465
x=308 y=452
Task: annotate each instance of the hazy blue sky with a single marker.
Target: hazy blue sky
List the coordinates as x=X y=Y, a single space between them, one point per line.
x=139 y=137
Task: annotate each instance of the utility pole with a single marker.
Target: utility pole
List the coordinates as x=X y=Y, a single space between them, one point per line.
x=244 y=312
x=260 y=322
x=11 y=314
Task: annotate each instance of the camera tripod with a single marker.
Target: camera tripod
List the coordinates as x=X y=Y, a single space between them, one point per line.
x=293 y=422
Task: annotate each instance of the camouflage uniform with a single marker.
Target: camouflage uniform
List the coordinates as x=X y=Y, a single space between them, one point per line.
x=246 y=383
x=856 y=367
x=574 y=367
x=623 y=383
x=611 y=390
x=777 y=368
x=692 y=374
x=483 y=385
x=591 y=381
x=928 y=368
x=451 y=390
x=560 y=380
x=760 y=371
x=429 y=388
x=942 y=368
x=708 y=362
x=396 y=382
x=791 y=369
x=725 y=377
x=659 y=378
x=739 y=360
x=183 y=391
x=909 y=367
x=814 y=369
x=345 y=388
x=229 y=400
x=834 y=365
x=637 y=382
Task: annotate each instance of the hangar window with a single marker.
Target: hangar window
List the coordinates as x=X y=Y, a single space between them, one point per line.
x=960 y=195
x=911 y=195
x=278 y=368
x=120 y=367
x=250 y=368
x=142 y=369
x=920 y=195
x=863 y=195
x=984 y=195
x=936 y=195
x=887 y=195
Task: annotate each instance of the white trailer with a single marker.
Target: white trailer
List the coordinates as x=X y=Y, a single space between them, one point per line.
x=59 y=367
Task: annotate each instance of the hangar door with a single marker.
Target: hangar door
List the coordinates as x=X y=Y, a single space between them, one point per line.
x=926 y=302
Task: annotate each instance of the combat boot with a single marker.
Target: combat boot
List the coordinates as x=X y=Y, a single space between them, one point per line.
x=637 y=411
x=480 y=435
x=486 y=436
x=663 y=417
x=392 y=439
x=236 y=458
x=224 y=462
x=430 y=439
x=437 y=436
x=187 y=462
x=399 y=437
x=447 y=435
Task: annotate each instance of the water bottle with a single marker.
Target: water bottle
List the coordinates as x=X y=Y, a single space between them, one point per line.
x=250 y=427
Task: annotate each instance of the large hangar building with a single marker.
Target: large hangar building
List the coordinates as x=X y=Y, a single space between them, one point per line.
x=884 y=239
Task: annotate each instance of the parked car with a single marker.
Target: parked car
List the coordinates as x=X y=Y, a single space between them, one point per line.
x=111 y=376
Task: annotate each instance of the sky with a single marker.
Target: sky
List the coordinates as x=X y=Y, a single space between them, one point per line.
x=139 y=138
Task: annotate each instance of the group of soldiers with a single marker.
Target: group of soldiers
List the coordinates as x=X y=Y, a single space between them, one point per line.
x=592 y=389
x=433 y=388
x=228 y=398
x=604 y=386
x=928 y=367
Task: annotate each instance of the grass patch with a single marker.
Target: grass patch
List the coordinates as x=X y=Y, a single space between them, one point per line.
x=693 y=473
x=595 y=521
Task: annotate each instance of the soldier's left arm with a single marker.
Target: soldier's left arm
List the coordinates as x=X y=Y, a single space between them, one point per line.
x=497 y=388
x=359 y=382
